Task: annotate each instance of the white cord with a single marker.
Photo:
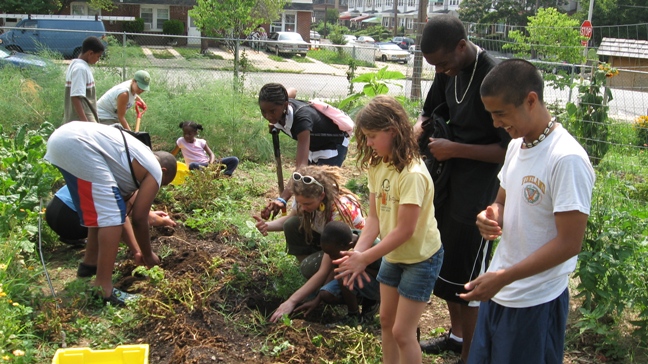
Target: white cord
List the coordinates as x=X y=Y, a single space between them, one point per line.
x=481 y=245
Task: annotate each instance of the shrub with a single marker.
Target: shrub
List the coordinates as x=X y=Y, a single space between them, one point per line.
x=173 y=27
x=136 y=26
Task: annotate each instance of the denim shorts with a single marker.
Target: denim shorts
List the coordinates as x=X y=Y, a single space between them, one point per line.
x=370 y=290
x=414 y=281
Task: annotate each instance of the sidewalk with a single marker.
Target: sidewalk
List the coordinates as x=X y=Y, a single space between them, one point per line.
x=262 y=61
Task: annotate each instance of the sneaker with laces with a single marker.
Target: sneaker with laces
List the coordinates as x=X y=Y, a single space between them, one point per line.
x=441 y=344
x=85 y=271
x=119 y=298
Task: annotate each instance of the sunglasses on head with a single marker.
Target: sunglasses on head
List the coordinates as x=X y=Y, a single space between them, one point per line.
x=306 y=179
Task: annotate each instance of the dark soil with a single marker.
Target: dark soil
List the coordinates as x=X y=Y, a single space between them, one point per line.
x=211 y=308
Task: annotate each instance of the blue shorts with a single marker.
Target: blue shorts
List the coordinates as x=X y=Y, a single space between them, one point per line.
x=414 y=281
x=370 y=290
x=530 y=335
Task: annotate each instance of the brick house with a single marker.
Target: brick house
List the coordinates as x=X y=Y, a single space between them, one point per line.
x=296 y=17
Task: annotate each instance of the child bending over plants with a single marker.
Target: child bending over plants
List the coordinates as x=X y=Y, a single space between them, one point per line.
x=197 y=153
x=337 y=237
x=319 y=199
x=91 y=158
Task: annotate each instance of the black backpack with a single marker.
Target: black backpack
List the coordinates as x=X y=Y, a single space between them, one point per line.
x=436 y=127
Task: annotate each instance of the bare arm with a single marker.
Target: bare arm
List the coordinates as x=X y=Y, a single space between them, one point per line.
x=140 y=212
x=352 y=266
x=571 y=227
x=77 y=104
x=209 y=152
x=490 y=221
x=122 y=102
x=312 y=285
x=175 y=151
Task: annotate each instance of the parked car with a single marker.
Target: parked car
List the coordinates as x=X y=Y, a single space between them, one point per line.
x=350 y=38
x=314 y=35
x=403 y=42
x=287 y=43
x=365 y=39
x=391 y=52
x=33 y=35
x=21 y=60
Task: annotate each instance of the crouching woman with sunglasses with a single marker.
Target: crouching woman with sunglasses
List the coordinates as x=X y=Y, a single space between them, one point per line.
x=320 y=197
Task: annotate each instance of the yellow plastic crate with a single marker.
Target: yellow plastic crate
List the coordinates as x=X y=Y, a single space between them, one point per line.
x=124 y=354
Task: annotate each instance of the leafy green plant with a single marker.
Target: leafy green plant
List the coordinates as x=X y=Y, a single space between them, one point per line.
x=376 y=83
x=588 y=118
x=155 y=274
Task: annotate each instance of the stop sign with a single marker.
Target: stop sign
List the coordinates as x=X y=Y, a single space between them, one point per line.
x=586 y=31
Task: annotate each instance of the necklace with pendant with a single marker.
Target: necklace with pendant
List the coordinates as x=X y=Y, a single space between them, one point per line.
x=469 y=82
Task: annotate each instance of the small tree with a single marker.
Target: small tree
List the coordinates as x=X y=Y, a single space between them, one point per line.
x=232 y=18
x=550 y=35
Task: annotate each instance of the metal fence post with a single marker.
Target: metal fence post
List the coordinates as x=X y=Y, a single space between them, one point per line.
x=123 y=75
x=236 y=61
x=571 y=82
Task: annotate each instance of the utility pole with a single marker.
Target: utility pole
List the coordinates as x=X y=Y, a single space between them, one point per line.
x=417 y=69
x=325 y=17
x=395 y=18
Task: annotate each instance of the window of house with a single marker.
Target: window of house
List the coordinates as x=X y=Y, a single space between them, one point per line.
x=154 y=17
x=386 y=22
x=287 y=23
x=410 y=23
x=411 y=3
x=378 y=3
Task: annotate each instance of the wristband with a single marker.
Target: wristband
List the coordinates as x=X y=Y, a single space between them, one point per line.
x=282 y=201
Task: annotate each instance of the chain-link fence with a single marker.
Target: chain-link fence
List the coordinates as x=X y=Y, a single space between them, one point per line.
x=326 y=70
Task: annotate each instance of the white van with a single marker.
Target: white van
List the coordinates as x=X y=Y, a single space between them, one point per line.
x=34 y=35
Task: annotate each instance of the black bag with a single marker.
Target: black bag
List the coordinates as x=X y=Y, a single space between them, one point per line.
x=436 y=127
x=142 y=136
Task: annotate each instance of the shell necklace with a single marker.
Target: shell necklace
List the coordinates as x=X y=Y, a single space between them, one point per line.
x=469 y=82
x=541 y=137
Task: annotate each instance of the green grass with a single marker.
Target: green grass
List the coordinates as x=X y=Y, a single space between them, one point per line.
x=335 y=57
x=276 y=58
x=301 y=59
x=161 y=53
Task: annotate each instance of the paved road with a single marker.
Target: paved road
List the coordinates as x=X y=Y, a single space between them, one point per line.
x=317 y=79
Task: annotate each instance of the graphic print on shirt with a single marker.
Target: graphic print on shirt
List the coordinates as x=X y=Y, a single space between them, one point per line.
x=384 y=197
x=533 y=189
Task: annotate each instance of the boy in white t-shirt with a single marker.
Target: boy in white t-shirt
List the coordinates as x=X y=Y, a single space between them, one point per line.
x=80 y=94
x=541 y=213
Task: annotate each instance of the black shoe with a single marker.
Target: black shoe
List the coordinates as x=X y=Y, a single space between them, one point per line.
x=74 y=242
x=441 y=344
x=369 y=310
x=85 y=271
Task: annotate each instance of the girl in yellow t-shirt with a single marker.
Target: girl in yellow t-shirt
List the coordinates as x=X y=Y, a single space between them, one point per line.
x=401 y=214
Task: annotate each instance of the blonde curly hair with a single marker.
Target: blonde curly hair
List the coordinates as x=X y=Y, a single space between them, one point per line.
x=331 y=179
